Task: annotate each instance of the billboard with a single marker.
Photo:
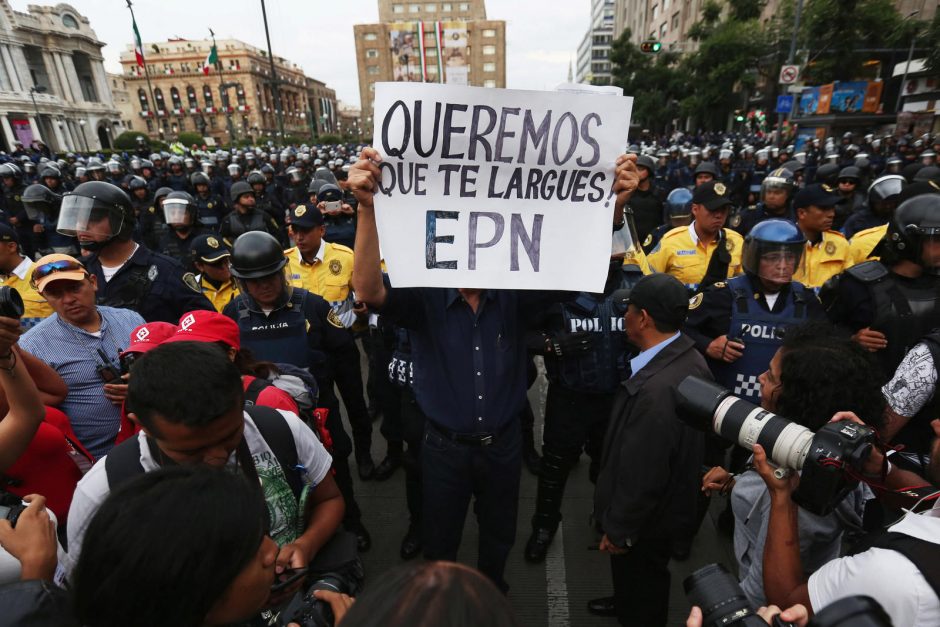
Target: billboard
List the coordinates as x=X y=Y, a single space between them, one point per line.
x=403 y=41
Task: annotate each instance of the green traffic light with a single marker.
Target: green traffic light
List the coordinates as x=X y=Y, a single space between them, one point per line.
x=657 y=46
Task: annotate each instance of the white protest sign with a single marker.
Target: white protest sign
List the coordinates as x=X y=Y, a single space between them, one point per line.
x=496 y=188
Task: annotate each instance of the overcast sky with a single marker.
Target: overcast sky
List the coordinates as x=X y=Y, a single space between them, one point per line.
x=318 y=34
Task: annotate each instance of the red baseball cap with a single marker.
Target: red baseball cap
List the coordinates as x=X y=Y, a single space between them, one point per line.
x=207 y=326
x=149 y=336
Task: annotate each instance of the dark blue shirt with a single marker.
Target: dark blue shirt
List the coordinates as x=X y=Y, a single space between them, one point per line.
x=469 y=368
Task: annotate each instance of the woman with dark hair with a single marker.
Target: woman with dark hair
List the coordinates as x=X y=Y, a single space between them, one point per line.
x=183 y=546
x=813 y=375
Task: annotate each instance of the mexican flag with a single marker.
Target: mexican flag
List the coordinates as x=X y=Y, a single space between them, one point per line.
x=138 y=46
x=211 y=60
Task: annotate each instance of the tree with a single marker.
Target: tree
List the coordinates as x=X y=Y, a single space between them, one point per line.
x=188 y=138
x=128 y=140
x=652 y=80
x=931 y=38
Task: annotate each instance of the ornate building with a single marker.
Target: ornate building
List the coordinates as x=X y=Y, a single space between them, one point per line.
x=53 y=86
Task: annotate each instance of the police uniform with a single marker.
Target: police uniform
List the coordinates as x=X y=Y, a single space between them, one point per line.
x=739 y=309
x=235 y=224
x=209 y=210
x=681 y=254
x=209 y=249
x=178 y=248
x=746 y=219
x=35 y=307
x=823 y=260
x=153 y=285
x=862 y=245
x=580 y=392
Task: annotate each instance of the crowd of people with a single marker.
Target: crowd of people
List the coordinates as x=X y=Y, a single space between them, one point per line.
x=805 y=281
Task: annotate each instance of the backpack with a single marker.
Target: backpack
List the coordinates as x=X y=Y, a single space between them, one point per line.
x=302 y=388
x=123 y=462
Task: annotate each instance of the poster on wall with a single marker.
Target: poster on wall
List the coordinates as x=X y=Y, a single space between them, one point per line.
x=403 y=41
x=848 y=97
x=23 y=131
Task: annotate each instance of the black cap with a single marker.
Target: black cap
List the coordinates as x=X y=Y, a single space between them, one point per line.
x=209 y=248
x=663 y=297
x=713 y=195
x=305 y=217
x=816 y=195
x=8 y=234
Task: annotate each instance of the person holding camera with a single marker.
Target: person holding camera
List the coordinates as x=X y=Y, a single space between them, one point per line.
x=82 y=342
x=647 y=487
x=811 y=377
x=15 y=268
x=899 y=570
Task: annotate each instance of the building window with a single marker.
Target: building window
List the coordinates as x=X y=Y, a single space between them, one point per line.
x=655 y=12
x=431 y=53
x=69 y=22
x=149 y=125
x=489 y=83
x=489 y=32
x=158 y=96
x=465 y=6
x=191 y=97
x=398 y=8
x=207 y=96
x=489 y=67
x=175 y=98
x=446 y=7
x=489 y=50
x=371 y=86
x=414 y=8
x=372 y=53
x=144 y=103
x=675 y=22
x=373 y=70
x=663 y=29
x=371 y=37
x=430 y=8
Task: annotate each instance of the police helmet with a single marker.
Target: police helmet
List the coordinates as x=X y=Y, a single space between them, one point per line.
x=706 y=167
x=794 y=166
x=679 y=203
x=93 y=202
x=146 y=164
x=329 y=192
x=884 y=193
x=256 y=178
x=176 y=205
x=645 y=161
x=256 y=254
x=94 y=165
x=850 y=173
x=234 y=169
x=137 y=182
x=267 y=168
x=198 y=178
x=914 y=220
x=781 y=178
x=10 y=170
x=314 y=186
x=239 y=189
x=828 y=174
x=38 y=199
x=160 y=194
x=768 y=237
x=930 y=173
x=115 y=167
x=50 y=172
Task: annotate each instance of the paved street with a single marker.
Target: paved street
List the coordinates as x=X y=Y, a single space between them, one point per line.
x=554 y=593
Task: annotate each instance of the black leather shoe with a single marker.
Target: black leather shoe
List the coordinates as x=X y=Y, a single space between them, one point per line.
x=537 y=546
x=363 y=539
x=411 y=543
x=603 y=606
x=366 y=466
x=532 y=460
x=386 y=468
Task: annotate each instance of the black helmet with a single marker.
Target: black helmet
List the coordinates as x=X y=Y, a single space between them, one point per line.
x=314 y=186
x=50 y=172
x=239 y=189
x=329 y=193
x=198 y=178
x=706 y=167
x=38 y=199
x=781 y=178
x=645 y=161
x=914 y=219
x=160 y=194
x=267 y=168
x=850 y=173
x=256 y=178
x=95 y=201
x=828 y=174
x=929 y=173
x=137 y=182
x=176 y=205
x=257 y=254
x=10 y=169
x=884 y=193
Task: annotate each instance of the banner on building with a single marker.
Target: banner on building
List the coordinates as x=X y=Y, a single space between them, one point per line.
x=403 y=40
x=825 y=99
x=873 y=97
x=480 y=187
x=23 y=131
x=848 y=97
x=456 y=53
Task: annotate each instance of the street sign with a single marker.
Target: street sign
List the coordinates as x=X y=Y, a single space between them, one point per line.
x=789 y=74
x=784 y=104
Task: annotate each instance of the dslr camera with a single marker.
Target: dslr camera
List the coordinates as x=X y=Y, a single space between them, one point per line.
x=823 y=457
x=11 y=303
x=11 y=506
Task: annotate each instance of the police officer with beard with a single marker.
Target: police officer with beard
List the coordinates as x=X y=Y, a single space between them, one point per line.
x=281 y=323
x=129 y=275
x=585 y=348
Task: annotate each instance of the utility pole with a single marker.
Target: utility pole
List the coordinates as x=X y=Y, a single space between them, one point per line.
x=791 y=57
x=223 y=92
x=278 y=109
x=907 y=66
x=146 y=74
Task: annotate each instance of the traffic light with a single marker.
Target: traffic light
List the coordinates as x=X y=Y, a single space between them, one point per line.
x=738 y=115
x=650 y=47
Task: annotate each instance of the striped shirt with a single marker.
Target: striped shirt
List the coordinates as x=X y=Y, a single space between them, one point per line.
x=73 y=353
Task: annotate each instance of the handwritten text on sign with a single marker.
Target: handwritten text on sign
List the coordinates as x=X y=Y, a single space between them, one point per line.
x=492 y=188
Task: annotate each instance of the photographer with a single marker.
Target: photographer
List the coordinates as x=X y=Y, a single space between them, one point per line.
x=900 y=571
x=812 y=376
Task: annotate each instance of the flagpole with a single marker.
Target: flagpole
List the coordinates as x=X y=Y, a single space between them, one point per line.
x=147 y=74
x=223 y=91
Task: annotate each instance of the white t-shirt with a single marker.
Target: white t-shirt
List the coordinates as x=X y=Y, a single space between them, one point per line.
x=913 y=384
x=93 y=489
x=886 y=576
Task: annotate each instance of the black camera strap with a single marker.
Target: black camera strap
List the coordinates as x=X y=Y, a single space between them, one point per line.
x=923 y=554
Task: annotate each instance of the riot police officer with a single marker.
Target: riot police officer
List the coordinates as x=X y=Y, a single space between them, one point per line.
x=776 y=194
x=852 y=199
x=888 y=305
x=179 y=212
x=42 y=204
x=883 y=197
x=264 y=201
x=678 y=213
x=129 y=275
x=281 y=323
x=210 y=208
x=645 y=203
x=244 y=217
x=585 y=348
x=12 y=180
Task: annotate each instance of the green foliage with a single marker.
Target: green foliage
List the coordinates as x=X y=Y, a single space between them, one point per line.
x=653 y=80
x=329 y=139
x=931 y=40
x=128 y=140
x=188 y=138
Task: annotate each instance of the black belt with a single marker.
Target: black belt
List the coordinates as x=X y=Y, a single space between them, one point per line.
x=470 y=439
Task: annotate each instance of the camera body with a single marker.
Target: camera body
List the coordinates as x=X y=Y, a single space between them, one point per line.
x=821 y=456
x=11 y=506
x=11 y=303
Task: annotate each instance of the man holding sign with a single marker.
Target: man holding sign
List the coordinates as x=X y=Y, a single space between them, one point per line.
x=469 y=360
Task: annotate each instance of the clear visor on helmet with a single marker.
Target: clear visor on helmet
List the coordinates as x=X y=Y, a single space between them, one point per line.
x=234 y=169
x=80 y=214
x=37 y=209
x=296 y=176
x=772 y=261
x=930 y=249
x=174 y=210
x=206 y=167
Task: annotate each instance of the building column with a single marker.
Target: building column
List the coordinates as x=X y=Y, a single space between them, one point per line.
x=102 y=86
x=7 y=131
x=72 y=77
x=48 y=59
x=22 y=67
x=59 y=71
x=63 y=146
x=71 y=144
x=10 y=68
x=34 y=126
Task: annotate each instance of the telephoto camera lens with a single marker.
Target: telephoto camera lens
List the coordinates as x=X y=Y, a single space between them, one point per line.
x=855 y=611
x=721 y=598
x=11 y=303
